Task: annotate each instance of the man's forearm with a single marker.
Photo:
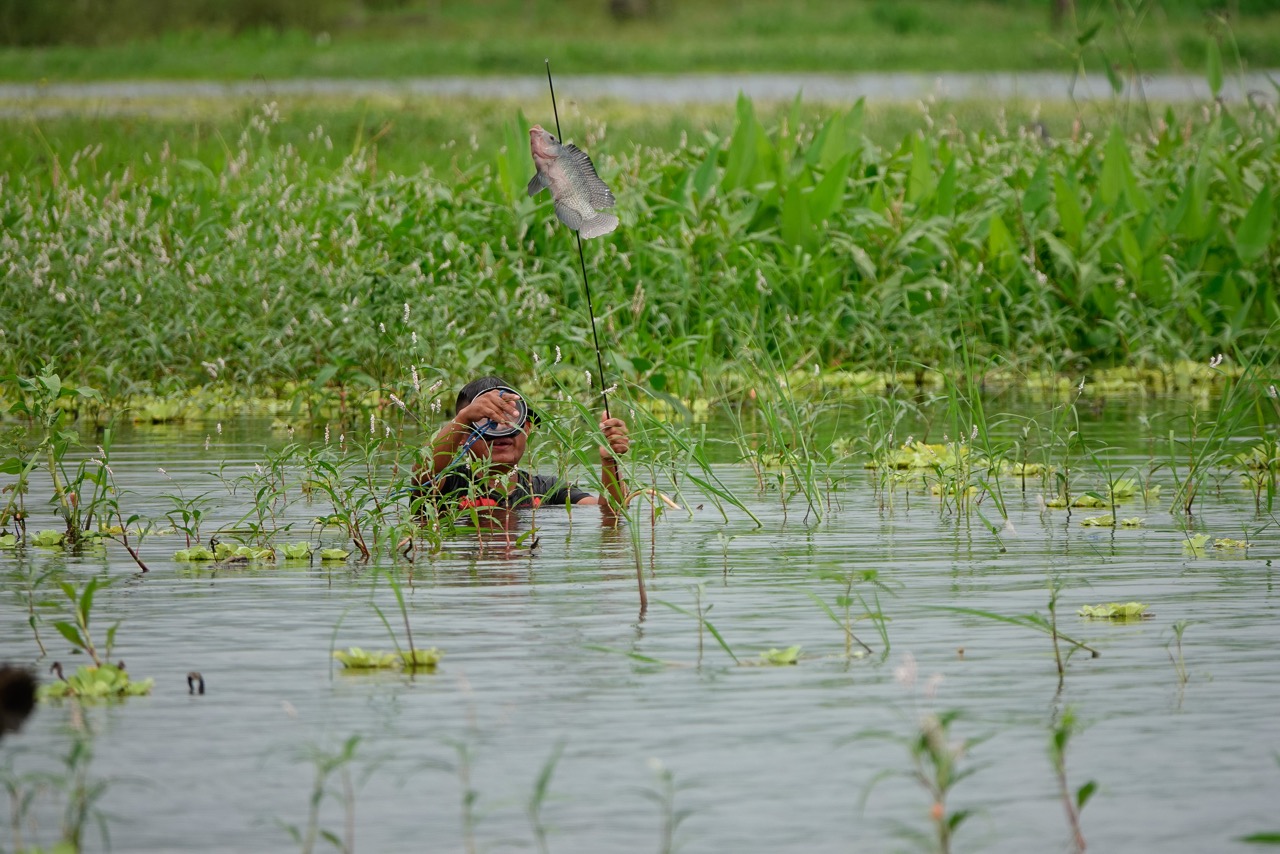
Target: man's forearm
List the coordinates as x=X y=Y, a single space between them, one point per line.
x=615 y=488
x=444 y=447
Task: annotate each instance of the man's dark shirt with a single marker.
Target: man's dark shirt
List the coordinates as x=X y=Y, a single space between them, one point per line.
x=531 y=490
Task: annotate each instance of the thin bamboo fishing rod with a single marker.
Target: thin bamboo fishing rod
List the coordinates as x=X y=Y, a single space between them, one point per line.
x=586 y=284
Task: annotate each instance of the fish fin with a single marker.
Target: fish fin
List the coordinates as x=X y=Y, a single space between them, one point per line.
x=599 y=192
x=538 y=183
x=600 y=224
x=568 y=216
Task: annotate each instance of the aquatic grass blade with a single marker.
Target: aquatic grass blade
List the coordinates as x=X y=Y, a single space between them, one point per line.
x=701 y=618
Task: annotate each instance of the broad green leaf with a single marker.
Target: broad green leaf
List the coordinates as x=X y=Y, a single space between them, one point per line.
x=1070 y=212
x=945 y=198
x=1000 y=245
x=742 y=147
x=829 y=143
x=1113 y=76
x=795 y=226
x=70 y=632
x=920 y=180
x=1037 y=195
x=1132 y=253
x=829 y=193
x=86 y=602
x=52 y=384
x=1116 y=167
x=1254 y=233
x=705 y=176
x=1213 y=66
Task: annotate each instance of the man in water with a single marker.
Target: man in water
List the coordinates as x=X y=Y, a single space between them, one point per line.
x=491 y=406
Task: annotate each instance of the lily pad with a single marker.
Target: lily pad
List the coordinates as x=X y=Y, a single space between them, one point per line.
x=1228 y=544
x=1099 y=522
x=1133 y=522
x=790 y=655
x=193 y=553
x=1116 y=611
x=334 y=554
x=8 y=541
x=297 y=551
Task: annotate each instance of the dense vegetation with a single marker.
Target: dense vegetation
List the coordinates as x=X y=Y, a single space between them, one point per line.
x=264 y=270
x=245 y=39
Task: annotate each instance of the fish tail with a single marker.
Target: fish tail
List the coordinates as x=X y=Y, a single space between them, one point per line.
x=601 y=223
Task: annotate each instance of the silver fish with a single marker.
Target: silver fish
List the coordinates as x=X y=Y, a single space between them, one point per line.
x=574 y=184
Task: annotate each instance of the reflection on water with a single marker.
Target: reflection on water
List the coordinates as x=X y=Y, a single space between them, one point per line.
x=543 y=643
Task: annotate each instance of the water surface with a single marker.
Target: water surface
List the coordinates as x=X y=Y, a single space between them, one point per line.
x=808 y=757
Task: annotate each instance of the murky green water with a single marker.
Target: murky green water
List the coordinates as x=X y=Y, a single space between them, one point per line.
x=763 y=758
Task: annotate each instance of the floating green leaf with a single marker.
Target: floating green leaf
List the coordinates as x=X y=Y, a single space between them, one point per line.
x=8 y=541
x=48 y=539
x=421 y=659
x=194 y=553
x=1132 y=522
x=1194 y=545
x=790 y=655
x=334 y=554
x=297 y=551
x=95 y=683
x=1115 y=611
x=1099 y=522
x=356 y=658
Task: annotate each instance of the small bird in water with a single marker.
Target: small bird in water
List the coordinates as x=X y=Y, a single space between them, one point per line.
x=577 y=189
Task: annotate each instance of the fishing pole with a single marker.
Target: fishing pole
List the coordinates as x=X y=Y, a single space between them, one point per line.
x=586 y=284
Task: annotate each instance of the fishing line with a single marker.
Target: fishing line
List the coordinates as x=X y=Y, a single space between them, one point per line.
x=586 y=284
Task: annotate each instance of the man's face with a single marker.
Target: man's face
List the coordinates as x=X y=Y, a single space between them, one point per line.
x=505 y=452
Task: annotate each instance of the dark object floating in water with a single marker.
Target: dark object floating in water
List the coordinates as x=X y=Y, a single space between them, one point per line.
x=195 y=682
x=17 y=697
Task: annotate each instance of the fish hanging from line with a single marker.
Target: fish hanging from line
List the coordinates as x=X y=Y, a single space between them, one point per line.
x=578 y=191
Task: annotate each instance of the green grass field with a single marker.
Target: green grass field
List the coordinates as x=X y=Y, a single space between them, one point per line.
x=269 y=253
x=513 y=36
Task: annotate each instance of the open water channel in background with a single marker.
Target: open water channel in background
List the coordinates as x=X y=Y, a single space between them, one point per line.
x=765 y=759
